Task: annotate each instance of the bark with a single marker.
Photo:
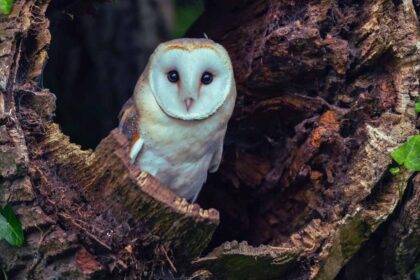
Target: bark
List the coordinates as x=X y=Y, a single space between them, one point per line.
x=326 y=91
x=85 y=214
x=393 y=252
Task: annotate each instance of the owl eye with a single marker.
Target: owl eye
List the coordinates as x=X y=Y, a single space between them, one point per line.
x=173 y=76
x=207 y=78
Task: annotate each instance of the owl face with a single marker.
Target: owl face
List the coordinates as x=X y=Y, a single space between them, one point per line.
x=190 y=78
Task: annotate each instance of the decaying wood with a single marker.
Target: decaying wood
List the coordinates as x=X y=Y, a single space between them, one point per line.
x=233 y=260
x=393 y=251
x=108 y=178
x=326 y=91
x=45 y=240
x=85 y=213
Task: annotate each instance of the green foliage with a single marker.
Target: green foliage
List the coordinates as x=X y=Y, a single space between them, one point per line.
x=10 y=227
x=394 y=170
x=418 y=106
x=6 y=6
x=408 y=154
x=186 y=12
x=4 y=274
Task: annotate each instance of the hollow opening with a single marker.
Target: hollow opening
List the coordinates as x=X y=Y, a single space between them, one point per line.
x=261 y=196
x=98 y=51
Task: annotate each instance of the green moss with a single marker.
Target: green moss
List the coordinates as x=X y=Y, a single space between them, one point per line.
x=235 y=266
x=352 y=235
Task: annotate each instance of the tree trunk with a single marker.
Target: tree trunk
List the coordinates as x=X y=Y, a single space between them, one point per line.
x=326 y=90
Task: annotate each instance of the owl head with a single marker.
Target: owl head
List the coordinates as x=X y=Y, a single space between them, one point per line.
x=190 y=78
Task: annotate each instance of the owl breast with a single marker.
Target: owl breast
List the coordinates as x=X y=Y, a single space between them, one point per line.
x=185 y=178
x=179 y=157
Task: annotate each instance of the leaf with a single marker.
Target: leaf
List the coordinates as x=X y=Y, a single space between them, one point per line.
x=408 y=154
x=418 y=106
x=4 y=274
x=10 y=227
x=6 y=6
x=394 y=170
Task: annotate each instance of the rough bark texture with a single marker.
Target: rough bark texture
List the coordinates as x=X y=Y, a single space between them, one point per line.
x=85 y=214
x=393 y=252
x=326 y=91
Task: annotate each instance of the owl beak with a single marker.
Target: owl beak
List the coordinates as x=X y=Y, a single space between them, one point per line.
x=188 y=102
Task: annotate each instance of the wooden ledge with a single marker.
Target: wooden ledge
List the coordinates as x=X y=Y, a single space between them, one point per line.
x=107 y=178
x=233 y=260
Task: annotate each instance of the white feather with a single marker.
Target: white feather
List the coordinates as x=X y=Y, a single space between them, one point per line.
x=135 y=149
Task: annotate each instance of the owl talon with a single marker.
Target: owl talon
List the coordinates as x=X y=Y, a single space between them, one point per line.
x=135 y=150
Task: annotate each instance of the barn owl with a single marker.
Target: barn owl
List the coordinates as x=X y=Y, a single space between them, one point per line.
x=177 y=117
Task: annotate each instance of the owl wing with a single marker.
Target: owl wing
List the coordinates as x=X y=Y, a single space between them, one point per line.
x=217 y=158
x=129 y=125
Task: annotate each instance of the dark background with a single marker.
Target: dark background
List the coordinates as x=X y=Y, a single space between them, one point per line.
x=98 y=52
